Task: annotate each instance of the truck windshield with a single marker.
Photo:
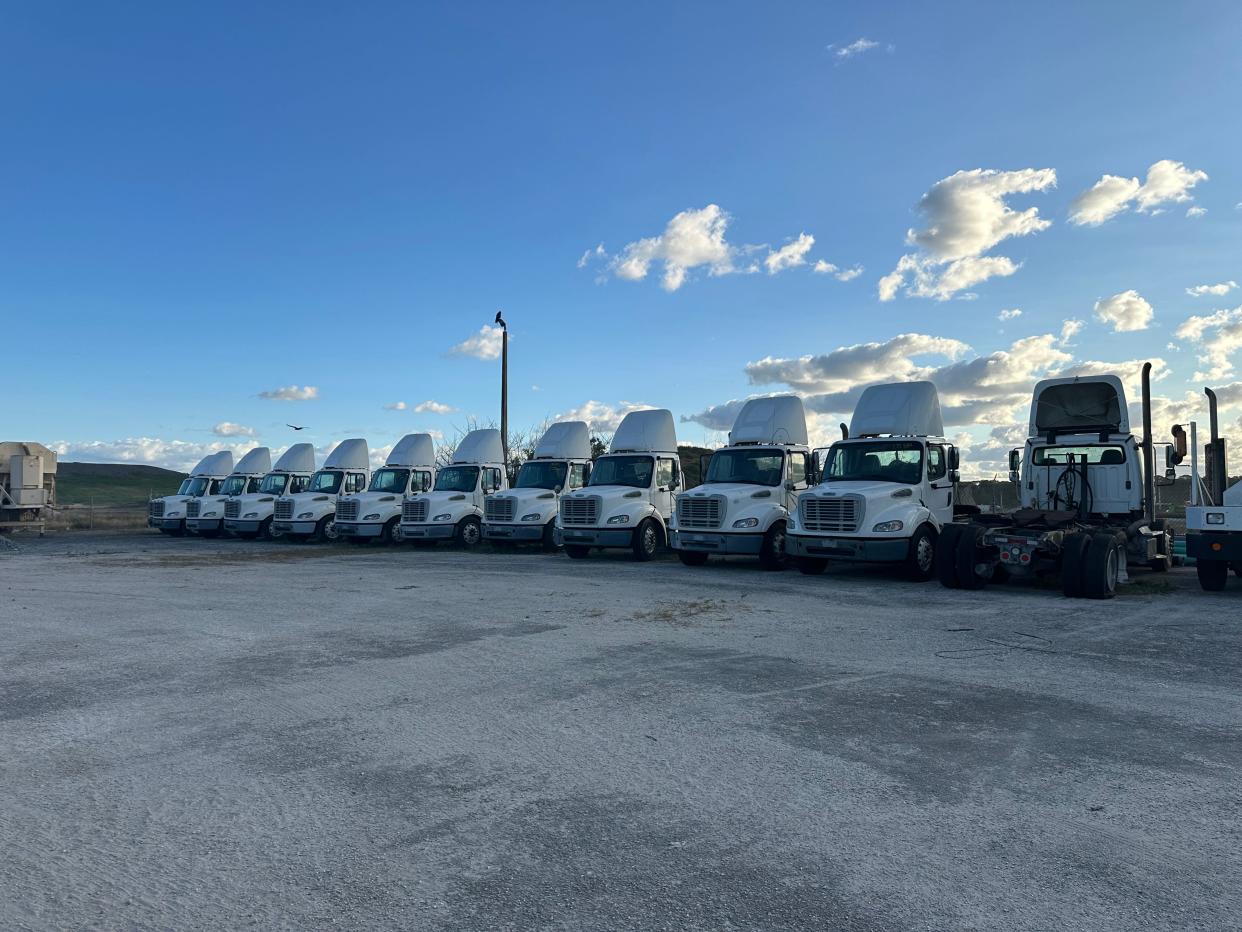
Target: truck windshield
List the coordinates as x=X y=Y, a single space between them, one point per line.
x=457 y=479
x=195 y=486
x=327 y=481
x=881 y=461
x=541 y=475
x=623 y=470
x=1095 y=455
x=185 y=487
x=390 y=480
x=233 y=485
x=749 y=466
x=273 y=483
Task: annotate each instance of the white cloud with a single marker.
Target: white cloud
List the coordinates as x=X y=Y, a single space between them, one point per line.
x=229 y=429
x=790 y=255
x=842 y=275
x=848 y=366
x=1195 y=211
x=857 y=47
x=600 y=417
x=590 y=254
x=1218 y=290
x=291 y=393
x=395 y=406
x=1069 y=329
x=966 y=216
x=180 y=455
x=1218 y=336
x=1167 y=182
x=1125 y=311
x=433 y=407
x=485 y=344
x=1009 y=314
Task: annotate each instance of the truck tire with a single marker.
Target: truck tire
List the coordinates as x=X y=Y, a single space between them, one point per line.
x=810 y=566
x=1213 y=574
x=772 y=554
x=945 y=564
x=1105 y=557
x=1073 y=565
x=646 y=540
x=921 y=555
x=469 y=532
x=577 y=551
x=549 y=537
x=325 y=529
x=265 y=530
x=967 y=557
x=692 y=557
x=391 y=534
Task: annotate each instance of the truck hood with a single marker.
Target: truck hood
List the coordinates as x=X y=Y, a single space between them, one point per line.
x=384 y=499
x=174 y=505
x=315 y=502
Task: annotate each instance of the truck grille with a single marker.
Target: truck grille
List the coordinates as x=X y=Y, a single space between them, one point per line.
x=498 y=510
x=694 y=512
x=831 y=514
x=415 y=512
x=157 y=508
x=284 y=510
x=580 y=510
x=347 y=510
x=193 y=508
x=232 y=509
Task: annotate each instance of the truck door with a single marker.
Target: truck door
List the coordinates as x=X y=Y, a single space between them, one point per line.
x=796 y=479
x=939 y=494
x=666 y=481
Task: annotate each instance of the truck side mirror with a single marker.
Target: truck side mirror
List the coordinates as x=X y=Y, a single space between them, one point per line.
x=955 y=459
x=1015 y=461
x=1177 y=452
x=955 y=476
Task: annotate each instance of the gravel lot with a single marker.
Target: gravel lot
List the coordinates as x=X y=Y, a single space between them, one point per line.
x=199 y=734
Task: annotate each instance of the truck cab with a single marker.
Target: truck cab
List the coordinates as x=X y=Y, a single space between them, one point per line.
x=1214 y=514
x=886 y=489
x=205 y=516
x=527 y=512
x=250 y=514
x=749 y=487
x=376 y=513
x=628 y=501
x=453 y=509
x=311 y=514
x=168 y=514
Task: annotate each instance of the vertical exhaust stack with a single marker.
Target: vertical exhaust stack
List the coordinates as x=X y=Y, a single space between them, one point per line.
x=1215 y=464
x=1149 y=476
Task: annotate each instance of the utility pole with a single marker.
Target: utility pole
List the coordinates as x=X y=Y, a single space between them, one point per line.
x=504 y=387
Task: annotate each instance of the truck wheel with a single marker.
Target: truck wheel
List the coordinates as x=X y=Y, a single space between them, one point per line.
x=646 y=540
x=692 y=557
x=1073 y=565
x=469 y=532
x=391 y=534
x=921 y=557
x=325 y=530
x=549 y=537
x=967 y=557
x=1213 y=574
x=1105 y=557
x=810 y=566
x=266 y=532
x=772 y=554
x=945 y=564
x=577 y=551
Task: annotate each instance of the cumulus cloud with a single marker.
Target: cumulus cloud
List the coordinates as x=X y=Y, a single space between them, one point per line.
x=857 y=47
x=1218 y=290
x=966 y=216
x=842 y=275
x=1126 y=311
x=485 y=345
x=433 y=407
x=1009 y=314
x=1217 y=336
x=1193 y=212
x=229 y=429
x=847 y=366
x=395 y=406
x=291 y=393
x=1167 y=182
x=600 y=417
x=790 y=255
x=591 y=254
x=1069 y=329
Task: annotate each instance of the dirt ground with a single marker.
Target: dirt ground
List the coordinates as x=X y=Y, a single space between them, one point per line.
x=221 y=734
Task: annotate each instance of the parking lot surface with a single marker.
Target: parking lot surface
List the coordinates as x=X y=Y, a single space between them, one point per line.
x=223 y=734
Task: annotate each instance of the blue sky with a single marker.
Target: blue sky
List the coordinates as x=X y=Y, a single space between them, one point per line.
x=201 y=205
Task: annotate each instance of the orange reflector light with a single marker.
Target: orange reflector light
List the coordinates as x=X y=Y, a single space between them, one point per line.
x=1216 y=546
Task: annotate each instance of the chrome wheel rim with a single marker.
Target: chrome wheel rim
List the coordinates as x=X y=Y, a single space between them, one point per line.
x=649 y=540
x=470 y=534
x=926 y=553
x=329 y=530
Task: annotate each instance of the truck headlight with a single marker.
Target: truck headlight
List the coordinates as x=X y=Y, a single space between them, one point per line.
x=443 y=517
x=209 y=514
x=1215 y=517
x=374 y=516
x=887 y=527
x=306 y=514
x=746 y=522
x=533 y=516
x=251 y=514
x=619 y=519
x=173 y=514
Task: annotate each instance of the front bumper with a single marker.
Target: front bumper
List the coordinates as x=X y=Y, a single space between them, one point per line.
x=596 y=537
x=204 y=524
x=294 y=527
x=524 y=532
x=237 y=525
x=1214 y=545
x=856 y=549
x=164 y=524
x=714 y=542
x=444 y=531
x=360 y=529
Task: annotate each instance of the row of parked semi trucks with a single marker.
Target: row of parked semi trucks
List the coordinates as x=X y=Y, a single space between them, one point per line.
x=887 y=491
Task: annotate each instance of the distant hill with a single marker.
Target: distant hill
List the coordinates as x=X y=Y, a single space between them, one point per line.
x=112 y=483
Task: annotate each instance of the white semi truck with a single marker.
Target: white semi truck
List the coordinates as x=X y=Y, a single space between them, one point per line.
x=527 y=512
x=312 y=514
x=376 y=513
x=1214 y=515
x=453 y=509
x=1086 y=497
x=749 y=487
x=887 y=489
x=628 y=500
x=204 y=516
x=250 y=514
x=168 y=513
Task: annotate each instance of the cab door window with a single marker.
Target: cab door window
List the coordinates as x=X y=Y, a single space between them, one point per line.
x=937 y=465
x=666 y=473
x=491 y=479
x=354 y=482
x=797 y=468
x=577 y=475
